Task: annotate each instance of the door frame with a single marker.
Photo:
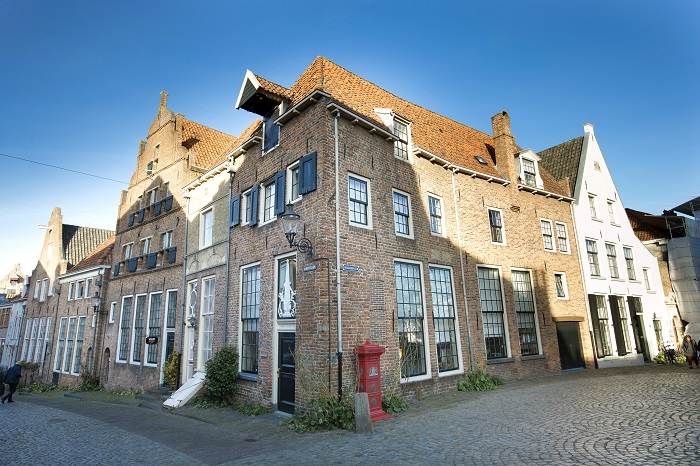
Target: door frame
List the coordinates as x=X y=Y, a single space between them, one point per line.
x=187 y=369
x=580 y=342
x=277 y=377
x=279 y=326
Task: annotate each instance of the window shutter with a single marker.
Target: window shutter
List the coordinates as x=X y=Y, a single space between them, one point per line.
x=307 y=173
x=280 y=191
x=236 y=210
x=254 y=205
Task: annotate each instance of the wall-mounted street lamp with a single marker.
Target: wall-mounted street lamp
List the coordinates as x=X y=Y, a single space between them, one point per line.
x=95 y=301
x=291 y=227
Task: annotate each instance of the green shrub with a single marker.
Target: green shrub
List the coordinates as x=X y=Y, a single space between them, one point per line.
x=89 y=382
x=394 y=404
x=221 y=382
x=681 y=359
x=171 y=370
x=660 y=358
x=38 y=387
x=324 y=413
x=478 y=381
x=29 y=366
x=251 y=409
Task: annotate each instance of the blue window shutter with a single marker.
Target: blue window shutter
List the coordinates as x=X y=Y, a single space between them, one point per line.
x=236 y=210
x=254 y=205
x=280 y=191
x=307 y=173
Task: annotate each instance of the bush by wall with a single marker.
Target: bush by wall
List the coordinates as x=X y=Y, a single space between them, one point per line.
x=478 y=381
x=221 y=382
x=171 y=371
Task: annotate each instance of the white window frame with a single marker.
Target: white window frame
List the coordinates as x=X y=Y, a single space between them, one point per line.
x=522 y=171
x=44 y=289
x=634 y=264
x=60 y=352
x=88 y=285
x=165 y=329
x=133 y=329
x=553 y=236
x=506 y=327
x=612 y=216
x=460 y=369
x=145 y=245
x=147 y=329
x=617 y=261
x=261 y=202
x=409 y=138
x=71 y=291
x=369 y=225
x=568 y=238
x=37 y=289
x=411 y=233
x=441 y=202
x=597 y=256
x=593 y=207
x=169 y=235
x=503 y=226
x=288 y=183
x=565 y=286
x=201 y=365
x=534 y=304
x=647 y=280
x=245 y=199
x=80 y=289
x=426 y=339
x=130 y=247
x=112 y=311
x=203 y=243
x=74 y=355
x=249 y=375
x=152 y=196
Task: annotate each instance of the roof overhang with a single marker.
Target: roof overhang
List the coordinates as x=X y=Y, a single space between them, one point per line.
x=254 y=98
x=542 y=192
x=358 y=120
x=82 y=273
x=243 y=148
x=436 y=159
x=689 y=207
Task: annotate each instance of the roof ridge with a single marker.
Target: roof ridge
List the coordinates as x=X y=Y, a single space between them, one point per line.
x=560 y=144
x=203 y=125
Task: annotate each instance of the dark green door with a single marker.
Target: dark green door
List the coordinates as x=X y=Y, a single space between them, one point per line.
x=285 y=383
x=570 y=353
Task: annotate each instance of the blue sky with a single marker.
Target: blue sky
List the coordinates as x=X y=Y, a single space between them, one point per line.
x=80 y=83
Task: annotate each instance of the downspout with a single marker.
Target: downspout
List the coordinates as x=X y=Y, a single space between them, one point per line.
x=228 y=249
x=97 y=322
x=461 y=270
x=184 y=283
x=337 y=258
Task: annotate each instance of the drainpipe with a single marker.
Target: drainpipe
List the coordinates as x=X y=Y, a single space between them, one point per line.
x=461 y=269
x=232 y=174
x=184 y=282
x=337 y=258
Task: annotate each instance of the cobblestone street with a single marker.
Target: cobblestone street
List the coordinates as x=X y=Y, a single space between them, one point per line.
x=645 y=415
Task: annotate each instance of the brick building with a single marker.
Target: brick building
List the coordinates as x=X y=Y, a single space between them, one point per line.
x=145 y=290
x=444 y=255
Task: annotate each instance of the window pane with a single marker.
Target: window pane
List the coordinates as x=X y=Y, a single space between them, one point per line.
x=435 y=207
x=401 y=145
x=154 y=328
x=491 y=302
x=529 y=172
x=559 y=282
x=612 y=260
x=496 y=226
x=546 y=228
x=409 y=305
x=401 y=214
x=524 y=303
x=269 y=202
x=70 y=343
x=629 y=262
x=295 y=183
x=286 y=288
x=207 y=319
x=592 y=253
x=77 y=364
x=137 y=343
x=250 y=317
x=125 y=327
x=562 y=238
x=172 y=306
x=599 y=316
x=444 y=319
x=358 y=200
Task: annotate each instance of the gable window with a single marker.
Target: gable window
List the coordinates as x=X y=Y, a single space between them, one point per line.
x=591 y=206
x=611 y=252
x=88 y=283
x=561 y=286
x=611 y=212
x=44 y=289
x=496 y=225
x=271 y=134
x=524 y=303
x=645 y=275
x=629 y=262
x=601 y=326
x=491 y=303
x=165 y=189
x=401 y=144
x=562 y=237
x=37 y=289
x=268 y=202
x=293 y=193
x=145 y=246
x=435 y=209
x=410 y=312
x=529 y=172
x=150 y=166
x=156 y=151
x=124 y=328
x=402 y=214
x=166 y=239
x=547 y=237
x=359 y=207
x=444 y=318
x=126 y=250
x=206 y=230
x=592 y=253
x=250 y=318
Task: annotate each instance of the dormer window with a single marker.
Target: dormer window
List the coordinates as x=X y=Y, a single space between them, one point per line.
x=529 y=173
x=401 y=131
x=529 y=169
x=271 y=133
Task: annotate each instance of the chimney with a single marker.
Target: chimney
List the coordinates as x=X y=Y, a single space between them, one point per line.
x=163 y=100
x=587 y=128
x=504 y=144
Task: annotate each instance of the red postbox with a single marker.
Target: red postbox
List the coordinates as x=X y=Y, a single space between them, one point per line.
x=370 y=378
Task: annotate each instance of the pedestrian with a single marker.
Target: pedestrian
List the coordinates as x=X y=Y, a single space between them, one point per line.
x=689 y=349
x=12 y=377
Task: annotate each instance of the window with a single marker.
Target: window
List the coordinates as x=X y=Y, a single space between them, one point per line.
x=80 y=290
x=112 y=311
x=268 y=202
x=529 y=172
x=78 y=353
x=156 y=151
x=150 y=166
x=547 y=237
x=409 y=305
x=592 y=253
x=70 y=343
x=44 y=289
x=145 y=246
x=124 y=328
x=166 y=239
x=62 y=328
x=496 y=225
x=359 y=205
x=206 y=230
x=659 y=334
x=629 y=262
x=561 y=286
x=71 y=288
x=611 y=252
x=591 y=206
x=611 y=212
x=32 y=339
x=165 y=189
x=401 y=144
x=25 y=346
x=271 y=134
x=206 y=323
x=169 y=340
x=126 y=250
x=645 y=275
x=37 y=289
x=599 y=316
x=250 y=318
x=246 y=207
x=88 y=283
x=402 y=214
x=562 y=237
x=152 y=196
x=293 y=193
x=137 y=329
x=620 y=324
x=524 y=303
x=286 y=287
x=153 y=327
x=491 y=301
x=38 y=356
x=444 y=320
x=435 y=209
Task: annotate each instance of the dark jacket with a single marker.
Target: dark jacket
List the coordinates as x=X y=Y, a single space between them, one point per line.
x=13 y=374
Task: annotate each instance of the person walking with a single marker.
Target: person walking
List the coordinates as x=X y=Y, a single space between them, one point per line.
x=689 y=349
x=12 y=377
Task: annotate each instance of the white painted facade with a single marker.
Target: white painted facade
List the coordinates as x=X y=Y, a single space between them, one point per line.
x=610 y=226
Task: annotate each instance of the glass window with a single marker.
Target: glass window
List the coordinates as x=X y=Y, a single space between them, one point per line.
x=562 y=237
x=286 y=288
x=402 y=214
x=250 y=318
x=112 y=311
x=293 y=180
x=599 y=316
x=435 y=208
x=152 y=196
x=172 y=309
x=592 y=253
x=611 y=252
x=358 y=201
x=153 y=327
x=591 y=206
x=80 y=292
x=409 y=304
x=560 y=285
x=524 y=303
x=207 y=230
x=269 y=202
x=137 y=342
x=611 y=211
x=647 y=283
x=444 y=318
x=125 y=327
x=547 y=237
x=491 y=301
x=62 y=329
x=246 y=207
x=126 y=251
x=166 y=239
x=629 y=262
x=70 y=343
x=32 y=340
x=401 y=145
x=38 y=356
x=496 y=224
x=619 y=317
x=145 y=246
x=77 y=358
x=207 y=320
x=529 y=172
x=71 y=288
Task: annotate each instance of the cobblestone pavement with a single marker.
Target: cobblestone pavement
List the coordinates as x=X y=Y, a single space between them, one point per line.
x=647 y=415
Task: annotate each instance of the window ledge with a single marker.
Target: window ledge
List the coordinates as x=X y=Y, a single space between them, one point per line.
x=563 y=298
x=597 y=277
x=499 y=244
x=532 y=357
x=451 y=373
x=595 y=219
x=399 y=235
x=617 y=279
x=250 y=377
x=359 y=225
x=499 y=361
x=417 y=378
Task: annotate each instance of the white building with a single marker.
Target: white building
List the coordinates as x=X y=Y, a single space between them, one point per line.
x=10 y=344
x=628 y=316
